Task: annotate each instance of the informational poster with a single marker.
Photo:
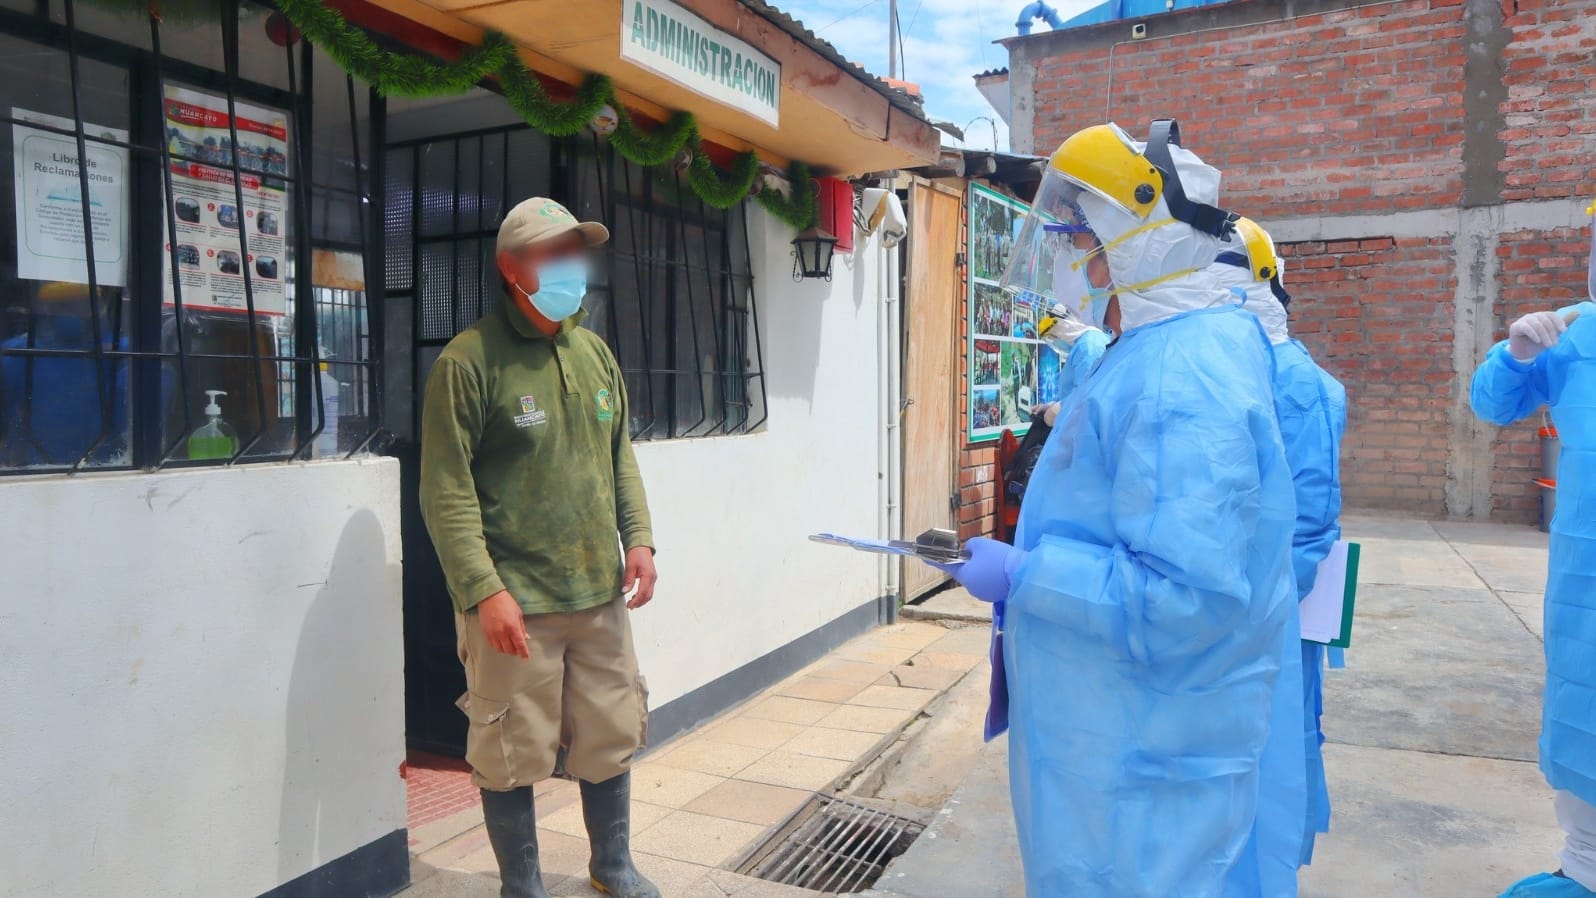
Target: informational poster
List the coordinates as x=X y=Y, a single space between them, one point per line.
x=49 y=207
x=1011 y=371
x=211 y=254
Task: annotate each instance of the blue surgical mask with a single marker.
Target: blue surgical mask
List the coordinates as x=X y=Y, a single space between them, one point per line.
x=561 y=285
x=1097 y=305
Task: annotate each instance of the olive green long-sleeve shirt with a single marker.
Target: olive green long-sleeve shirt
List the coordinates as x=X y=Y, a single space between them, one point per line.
x=527 y=471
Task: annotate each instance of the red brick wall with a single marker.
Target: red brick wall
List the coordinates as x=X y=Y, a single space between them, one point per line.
x=1353 y=111
x=1550 y=112
x=1550 y=133
x=1539 y=270
x=1354 y=114
x=1377 y=314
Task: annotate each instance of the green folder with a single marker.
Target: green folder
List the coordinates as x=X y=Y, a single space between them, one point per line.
x=1326 y=612
x=1351 y=598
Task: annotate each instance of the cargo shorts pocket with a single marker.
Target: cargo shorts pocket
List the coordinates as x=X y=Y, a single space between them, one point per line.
x=487 y=743
x=642 y=712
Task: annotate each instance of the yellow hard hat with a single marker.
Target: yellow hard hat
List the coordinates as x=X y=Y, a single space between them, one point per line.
x=1261 y=257
x=1262 y=261
x=1103 y=160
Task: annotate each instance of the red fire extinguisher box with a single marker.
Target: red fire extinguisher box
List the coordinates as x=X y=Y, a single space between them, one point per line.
x=836 y=212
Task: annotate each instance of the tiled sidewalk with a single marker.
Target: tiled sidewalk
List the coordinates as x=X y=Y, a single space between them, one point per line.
x=704 y=799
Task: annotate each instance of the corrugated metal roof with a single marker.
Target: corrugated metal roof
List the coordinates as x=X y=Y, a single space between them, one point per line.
x=792 y=26
x=990 y=72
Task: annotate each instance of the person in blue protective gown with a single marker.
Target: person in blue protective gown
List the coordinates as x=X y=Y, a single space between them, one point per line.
x=1549 y=359
x=1078 y=343
x=1149 y=596
x=1082 y=346
x=1311 y=406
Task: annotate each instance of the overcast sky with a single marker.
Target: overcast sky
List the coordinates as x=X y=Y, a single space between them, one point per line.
x=945 y=43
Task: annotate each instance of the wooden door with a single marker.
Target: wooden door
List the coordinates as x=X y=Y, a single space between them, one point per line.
x=931 y=370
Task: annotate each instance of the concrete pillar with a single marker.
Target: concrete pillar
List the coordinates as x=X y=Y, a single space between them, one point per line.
x=1469 y=458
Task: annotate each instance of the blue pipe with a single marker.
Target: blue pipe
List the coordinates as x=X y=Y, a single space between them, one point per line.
x=1038 y=10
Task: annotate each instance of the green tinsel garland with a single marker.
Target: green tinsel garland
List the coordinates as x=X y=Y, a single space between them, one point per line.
x=659 y=147
x=415 y=75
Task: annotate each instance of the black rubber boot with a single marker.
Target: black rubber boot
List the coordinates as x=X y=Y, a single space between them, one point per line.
x=607 y=810
x=513 y=831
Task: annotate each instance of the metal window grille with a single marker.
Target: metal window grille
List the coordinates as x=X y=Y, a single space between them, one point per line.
x=107 y=369
x=672 y=293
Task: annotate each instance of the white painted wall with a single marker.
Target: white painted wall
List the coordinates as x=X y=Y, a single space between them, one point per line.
x=201 y=677
x=738 y=576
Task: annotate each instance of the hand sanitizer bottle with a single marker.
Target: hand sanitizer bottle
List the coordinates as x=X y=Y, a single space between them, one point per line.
x=214 y=438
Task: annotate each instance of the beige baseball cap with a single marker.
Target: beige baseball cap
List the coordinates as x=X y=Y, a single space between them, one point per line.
x=540 y=219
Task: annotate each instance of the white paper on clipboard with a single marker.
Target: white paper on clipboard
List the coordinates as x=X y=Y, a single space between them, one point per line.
x=1325 y=609
x=926 y=548
x=882 y=547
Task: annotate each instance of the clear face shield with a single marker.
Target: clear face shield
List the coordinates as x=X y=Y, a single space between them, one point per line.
x=1057 y=260
x=1590 y=277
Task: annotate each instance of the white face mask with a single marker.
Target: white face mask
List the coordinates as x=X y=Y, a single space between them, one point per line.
x=1075 y=293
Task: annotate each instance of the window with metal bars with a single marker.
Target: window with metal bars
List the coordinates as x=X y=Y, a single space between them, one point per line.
x=672 y=293
x=222 y=246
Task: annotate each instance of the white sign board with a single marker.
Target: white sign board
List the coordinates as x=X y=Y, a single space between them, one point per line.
x=206 y=206
x=49 y=189
x=676 y=44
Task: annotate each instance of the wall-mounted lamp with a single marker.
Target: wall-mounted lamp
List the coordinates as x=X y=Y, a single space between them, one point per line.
x=811 y=254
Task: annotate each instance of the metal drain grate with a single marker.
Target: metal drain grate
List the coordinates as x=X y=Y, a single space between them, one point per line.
x=834 y=845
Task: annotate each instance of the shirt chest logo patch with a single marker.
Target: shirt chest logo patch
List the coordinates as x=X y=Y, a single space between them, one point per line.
x=530 y=413
x=605 y=404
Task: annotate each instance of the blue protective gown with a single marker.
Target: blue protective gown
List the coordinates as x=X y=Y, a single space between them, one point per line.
x=1312 y=408
x=1083 y=357
x=1146 y=626
x=1506 y=390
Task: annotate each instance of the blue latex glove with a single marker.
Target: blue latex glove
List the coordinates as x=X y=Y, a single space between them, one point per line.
x=989 y=571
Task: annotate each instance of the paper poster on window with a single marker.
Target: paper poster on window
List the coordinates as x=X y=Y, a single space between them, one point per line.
x=222 y=243
x=1010 y=370
x=49 y=208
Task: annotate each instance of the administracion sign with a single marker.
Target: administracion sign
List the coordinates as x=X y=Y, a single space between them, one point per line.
x=676 y=44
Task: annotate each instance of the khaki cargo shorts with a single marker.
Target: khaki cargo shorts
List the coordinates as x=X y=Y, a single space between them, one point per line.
x=580 y=691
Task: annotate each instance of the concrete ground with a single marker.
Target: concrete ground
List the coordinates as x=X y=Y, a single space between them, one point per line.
x=1432 y=730
x=703 y=801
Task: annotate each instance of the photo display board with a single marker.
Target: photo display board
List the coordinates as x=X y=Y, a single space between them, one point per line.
x=1011 y=371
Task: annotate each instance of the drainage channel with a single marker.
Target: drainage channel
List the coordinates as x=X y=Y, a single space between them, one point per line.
x=838 y=844
x=835 y=845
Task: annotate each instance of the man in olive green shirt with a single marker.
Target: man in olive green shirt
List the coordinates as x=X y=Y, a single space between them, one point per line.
x=530 y=492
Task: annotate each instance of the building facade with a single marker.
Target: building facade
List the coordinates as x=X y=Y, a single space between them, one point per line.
x=223 y=620
x=1425 y=166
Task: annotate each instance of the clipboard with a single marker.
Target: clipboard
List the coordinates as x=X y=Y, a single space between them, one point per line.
x=934 y=545
x=1326 y=611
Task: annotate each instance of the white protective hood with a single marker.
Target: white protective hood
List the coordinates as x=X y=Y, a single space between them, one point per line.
x=1260 y=299
x=1158 y=252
